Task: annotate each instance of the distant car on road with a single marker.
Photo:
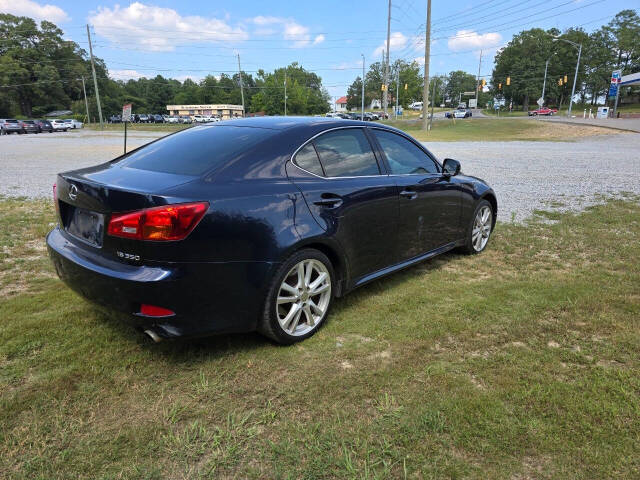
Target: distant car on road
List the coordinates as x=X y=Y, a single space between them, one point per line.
x=460 y=112
x=10 y=125
x=542 y=111
x=44 y=126
x=416 y=106
x=59 y=126
x=115 y=119
x=29 y=126
x=73 y=123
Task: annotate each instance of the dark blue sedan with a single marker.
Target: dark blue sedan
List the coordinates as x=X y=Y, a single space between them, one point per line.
x=258 y=224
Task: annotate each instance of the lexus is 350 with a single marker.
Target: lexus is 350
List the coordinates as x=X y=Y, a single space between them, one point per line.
x=259 y=224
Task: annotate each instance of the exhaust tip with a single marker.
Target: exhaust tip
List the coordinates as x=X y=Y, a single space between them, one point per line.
x=153 y=335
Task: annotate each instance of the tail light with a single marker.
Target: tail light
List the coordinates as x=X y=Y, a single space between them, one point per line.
x=170 y=222
x=155 y=311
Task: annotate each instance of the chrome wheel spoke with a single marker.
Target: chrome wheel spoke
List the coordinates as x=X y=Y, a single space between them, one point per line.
x=302 y=307
x=481 y=228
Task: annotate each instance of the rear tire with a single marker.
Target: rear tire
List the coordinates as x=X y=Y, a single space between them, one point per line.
x=299 y=297
x=480 y=228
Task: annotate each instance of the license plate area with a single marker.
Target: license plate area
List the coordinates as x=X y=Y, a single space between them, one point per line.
x=86 y=226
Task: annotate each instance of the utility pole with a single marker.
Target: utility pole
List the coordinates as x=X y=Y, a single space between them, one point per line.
x=385 y=98
x=478 y=79
x=86 y=104
x=362 y=118
x=427 y=55
x=544 y=82
x=285 y=92
x=575 y=79
x=95 y=80
x=241 y=85
x=397 y=89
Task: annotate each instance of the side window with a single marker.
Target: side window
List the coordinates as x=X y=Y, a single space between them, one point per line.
x=308 y=159
x=403 y=156
x=346 y=153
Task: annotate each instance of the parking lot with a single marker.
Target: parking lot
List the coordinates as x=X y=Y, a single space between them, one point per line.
x=525 y=175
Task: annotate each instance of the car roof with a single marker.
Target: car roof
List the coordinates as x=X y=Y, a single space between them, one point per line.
x=285 y=123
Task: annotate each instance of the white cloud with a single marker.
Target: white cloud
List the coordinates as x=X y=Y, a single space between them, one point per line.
x=158 y=29
x=470 y=40
x=27 y=8
x=397 y=42
x=195 y=78
x=126 y=74
x=292 y=31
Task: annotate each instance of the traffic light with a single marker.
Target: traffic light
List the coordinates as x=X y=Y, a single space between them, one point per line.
x=406 y=86
x=565 y=79
x=383 y=87
x=484 y=82
x=500 y=86
x=508 y=81
x=560 y=81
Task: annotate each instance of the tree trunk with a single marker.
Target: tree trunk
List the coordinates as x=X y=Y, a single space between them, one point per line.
x=525 y=103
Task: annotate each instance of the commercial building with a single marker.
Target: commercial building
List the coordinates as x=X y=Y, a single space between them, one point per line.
x=221 y=111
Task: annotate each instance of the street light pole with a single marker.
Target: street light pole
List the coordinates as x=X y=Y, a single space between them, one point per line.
x=575 y=77
x=544 y=82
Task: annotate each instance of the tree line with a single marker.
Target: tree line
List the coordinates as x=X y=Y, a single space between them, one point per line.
x=41 y=72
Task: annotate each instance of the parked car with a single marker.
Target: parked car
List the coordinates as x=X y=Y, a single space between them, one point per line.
x=185 y=119
x=173 y=119
x=115 y=119
x=416 y=106
x=29 y=126
x=10 y=125
x=542 y=111
x=198 y=118
x=176 y=251
x=44 y=126
x=144 y=118
x=158 y=118
x=73 y=123
x=373 y=116
x=59 y=126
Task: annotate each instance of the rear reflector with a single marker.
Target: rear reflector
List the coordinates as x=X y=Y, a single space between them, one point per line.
x=170 y=222
x=154 y=311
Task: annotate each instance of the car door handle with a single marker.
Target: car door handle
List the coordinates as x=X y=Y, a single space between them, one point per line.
x=410 y=194
x=329 y=200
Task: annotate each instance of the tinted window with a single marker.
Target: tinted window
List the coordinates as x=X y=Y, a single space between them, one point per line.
x=403 y=156
x=308 y=159
x=196 y=150
x=346 y=153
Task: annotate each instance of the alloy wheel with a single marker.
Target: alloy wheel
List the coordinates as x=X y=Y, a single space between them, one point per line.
x=481 y=228
x=303 y=297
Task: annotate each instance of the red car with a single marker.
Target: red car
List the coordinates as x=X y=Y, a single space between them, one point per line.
x=543 y=111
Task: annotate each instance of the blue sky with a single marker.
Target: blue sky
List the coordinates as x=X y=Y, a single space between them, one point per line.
x=196 y=38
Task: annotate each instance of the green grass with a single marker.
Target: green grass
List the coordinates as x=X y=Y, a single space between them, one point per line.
x=494 y=129
x=144 y=127
x=521 y=362
x=515 y=113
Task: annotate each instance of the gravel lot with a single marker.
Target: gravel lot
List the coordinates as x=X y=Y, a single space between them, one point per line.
x=525 y=175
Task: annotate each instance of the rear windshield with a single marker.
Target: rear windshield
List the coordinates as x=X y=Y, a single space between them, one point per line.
x=12 y=121
x=196 y=150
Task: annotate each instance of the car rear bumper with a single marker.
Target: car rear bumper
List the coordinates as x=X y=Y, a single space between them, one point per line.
x=207 y=298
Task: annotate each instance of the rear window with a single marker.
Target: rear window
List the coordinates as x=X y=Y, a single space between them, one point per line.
x=196 y=150
x=12 y=121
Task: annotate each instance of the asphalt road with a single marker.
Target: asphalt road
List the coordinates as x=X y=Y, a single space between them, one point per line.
x=525 y=175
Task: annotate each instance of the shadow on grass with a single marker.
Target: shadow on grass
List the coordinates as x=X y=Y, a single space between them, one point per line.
x=189 y=350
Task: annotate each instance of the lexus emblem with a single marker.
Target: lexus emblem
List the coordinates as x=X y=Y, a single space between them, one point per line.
x=73 y=192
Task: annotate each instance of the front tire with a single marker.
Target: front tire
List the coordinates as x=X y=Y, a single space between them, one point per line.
x=480 y=228
x=299 y=297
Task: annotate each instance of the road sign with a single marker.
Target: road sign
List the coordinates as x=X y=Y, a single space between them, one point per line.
x=613 y=90
x=126 y=112
x=540 y=101
x=473 y=93
x=472 y=103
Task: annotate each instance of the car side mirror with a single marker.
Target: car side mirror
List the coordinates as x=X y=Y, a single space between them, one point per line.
x=450 y=167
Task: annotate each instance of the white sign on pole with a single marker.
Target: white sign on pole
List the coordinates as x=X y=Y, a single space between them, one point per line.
x=126 y=112
x=540 y=101
x=472 y=103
